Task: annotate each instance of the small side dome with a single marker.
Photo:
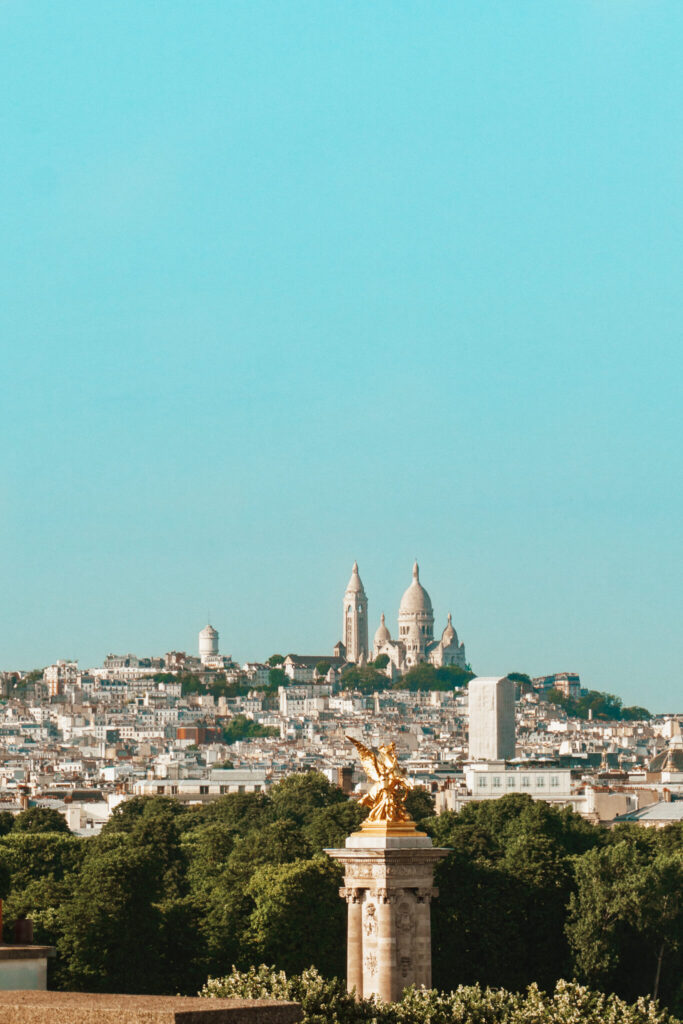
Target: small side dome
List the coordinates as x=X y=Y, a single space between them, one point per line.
x=670 y=759
x=382 y=635
x=449 y=636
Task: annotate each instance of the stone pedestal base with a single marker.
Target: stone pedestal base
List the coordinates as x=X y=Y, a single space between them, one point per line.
x=388 y=886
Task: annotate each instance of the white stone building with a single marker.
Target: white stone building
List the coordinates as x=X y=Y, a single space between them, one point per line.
x=355 y=622
x=208 y=644
x=488 y=780
x=57 y=676
x=416 y=641
x=491 y=719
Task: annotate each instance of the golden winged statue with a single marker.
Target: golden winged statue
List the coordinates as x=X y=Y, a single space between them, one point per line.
x=386 y=799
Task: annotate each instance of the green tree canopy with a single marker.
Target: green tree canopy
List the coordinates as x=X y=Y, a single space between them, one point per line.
x=40 y=819
x=593 y=703
x=365 y=680
x=298 y=916
x=522 y=680
x=277 y=677
x=424 y=676
x=625 y=924
x=242 y=728
x=297 y=797
x=329 y=826
x=6 y=822
x=420 y=805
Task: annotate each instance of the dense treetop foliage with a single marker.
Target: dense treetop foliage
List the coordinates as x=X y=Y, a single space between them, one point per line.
x=40 y=819
x=242 y=728
x=372 y=678
x=426 y=677
x=604 y=706
x=523 y=681
x=528 y=894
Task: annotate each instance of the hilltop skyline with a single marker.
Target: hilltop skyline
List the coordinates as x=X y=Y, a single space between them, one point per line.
x=287 y=286
x=629 y=691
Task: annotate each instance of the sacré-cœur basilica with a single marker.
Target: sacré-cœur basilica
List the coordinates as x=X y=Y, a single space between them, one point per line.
x=415 y=642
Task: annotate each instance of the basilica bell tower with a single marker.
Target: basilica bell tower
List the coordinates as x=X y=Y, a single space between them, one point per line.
x=355 y=624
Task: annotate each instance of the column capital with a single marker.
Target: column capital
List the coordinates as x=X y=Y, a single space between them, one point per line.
x=386 y=895
x=351 y=894
x=426 y=895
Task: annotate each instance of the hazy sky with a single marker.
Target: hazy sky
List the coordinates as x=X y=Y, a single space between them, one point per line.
x=285 y=284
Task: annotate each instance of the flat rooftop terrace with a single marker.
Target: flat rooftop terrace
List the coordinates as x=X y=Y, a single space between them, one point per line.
x=25 y=1007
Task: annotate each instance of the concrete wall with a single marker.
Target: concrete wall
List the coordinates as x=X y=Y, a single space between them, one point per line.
x=25 y=974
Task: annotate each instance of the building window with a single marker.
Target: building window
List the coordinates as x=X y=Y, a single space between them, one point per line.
x=203 y=790
x=526 y=781
x=223 y=790
x=161 y=789
x=481 y=780
x=554 y=781
x=174 y=791
x=496 y=782
x=510 y=781
x=540 y=781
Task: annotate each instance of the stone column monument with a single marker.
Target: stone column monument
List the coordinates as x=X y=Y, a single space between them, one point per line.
x=388 y=885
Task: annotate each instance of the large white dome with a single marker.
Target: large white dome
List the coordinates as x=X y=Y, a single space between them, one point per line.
x=449 y=636
x=416 y=598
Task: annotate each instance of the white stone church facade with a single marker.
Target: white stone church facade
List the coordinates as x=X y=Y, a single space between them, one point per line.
x=415 y=642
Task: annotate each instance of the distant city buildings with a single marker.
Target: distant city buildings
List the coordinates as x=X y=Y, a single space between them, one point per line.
x=60 y=674
x=83 y=740
x=566 y=683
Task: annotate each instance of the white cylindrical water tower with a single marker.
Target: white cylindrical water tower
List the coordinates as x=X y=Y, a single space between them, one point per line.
x=208 y=642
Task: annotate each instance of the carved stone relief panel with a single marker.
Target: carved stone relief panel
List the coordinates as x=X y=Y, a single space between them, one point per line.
x=405 y=936
x=369 y=919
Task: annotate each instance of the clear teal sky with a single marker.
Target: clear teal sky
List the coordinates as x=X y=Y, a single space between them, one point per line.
x=285 y=284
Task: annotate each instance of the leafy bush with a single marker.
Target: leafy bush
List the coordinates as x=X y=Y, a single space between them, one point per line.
x=327 y=1002
x=322 y=1000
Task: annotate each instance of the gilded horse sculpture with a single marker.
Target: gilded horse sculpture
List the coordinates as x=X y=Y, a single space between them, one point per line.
x=386 y=799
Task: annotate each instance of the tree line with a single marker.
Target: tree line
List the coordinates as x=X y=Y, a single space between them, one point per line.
x=590 y=703
x=371 y=678
x=528 y=894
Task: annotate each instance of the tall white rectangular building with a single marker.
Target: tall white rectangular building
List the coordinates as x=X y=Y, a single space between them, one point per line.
x=491 y=718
